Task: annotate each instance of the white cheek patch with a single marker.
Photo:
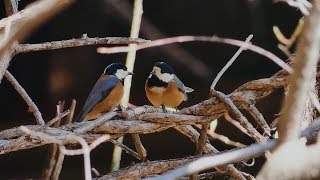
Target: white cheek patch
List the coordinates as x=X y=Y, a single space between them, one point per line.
x=121 y=74
x=165 y=77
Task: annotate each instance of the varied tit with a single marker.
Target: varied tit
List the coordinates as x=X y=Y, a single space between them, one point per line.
x=106 y=93
x=163 y=88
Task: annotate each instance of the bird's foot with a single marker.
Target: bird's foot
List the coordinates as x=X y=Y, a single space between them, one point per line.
x=120 y=108
x=164 y=109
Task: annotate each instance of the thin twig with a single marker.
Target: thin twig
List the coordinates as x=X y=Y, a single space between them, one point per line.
x=201 y=142
x=174 y=52
x=235 y=123
x=51 y=170
x=139 y=147
x=225 y=140
x=181 y=39
x=86 y=154
x=58 y=164
x=217 y=160
x=83 y=41
x=202 y=138
x=193 y=135
x=58 y=117
x=72 y=108
x=243 y=120
x=96 y=122
x=229 y=63
x=32 y=106
x=126 y=149
x=259 y=119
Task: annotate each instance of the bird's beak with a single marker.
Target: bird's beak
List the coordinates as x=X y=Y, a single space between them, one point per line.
x=130 y=73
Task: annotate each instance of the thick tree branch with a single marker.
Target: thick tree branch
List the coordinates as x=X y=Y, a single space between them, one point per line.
x=304 y=65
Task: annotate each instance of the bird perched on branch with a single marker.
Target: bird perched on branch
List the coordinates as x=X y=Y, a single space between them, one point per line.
x=106 y=93
x=163 y=88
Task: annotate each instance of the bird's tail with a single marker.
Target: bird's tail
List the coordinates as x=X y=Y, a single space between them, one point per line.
x=188 y=89
x=80 y=117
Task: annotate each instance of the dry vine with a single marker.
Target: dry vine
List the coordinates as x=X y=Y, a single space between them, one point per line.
x=143 y=119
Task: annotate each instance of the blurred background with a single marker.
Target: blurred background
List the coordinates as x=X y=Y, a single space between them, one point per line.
x=50 y=76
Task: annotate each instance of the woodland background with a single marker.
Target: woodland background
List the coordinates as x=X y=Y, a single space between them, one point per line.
x=50 y=76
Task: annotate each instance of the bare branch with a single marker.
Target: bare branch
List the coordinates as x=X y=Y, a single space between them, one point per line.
x=181 y=39
x=139 y=147
x=229 y=63
x=11 y=6
x=202 y=138
x=217 y=160
x=259 y=119
x=193 y=135
x=126 y=149
x=71 y=114
x=243 y=120
x=83 y=41
x=24 y=22
x=225 y=139
x=32 y=106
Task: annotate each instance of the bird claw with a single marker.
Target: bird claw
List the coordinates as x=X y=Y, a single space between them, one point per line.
x=164 y=109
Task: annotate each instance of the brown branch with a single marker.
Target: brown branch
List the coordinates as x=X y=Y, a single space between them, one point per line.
x=58 y=164
x=193 y=135
x=252 y=91
x=126 y=149
x=225 y=139
x=202 y=138
x=304 y=65
x=11 y=6
x=32 y=106
x=242 y=119
x=139 y=147
x=295 y=105
x=71 y=114
x=83 y=41
x=181 y=119
x=235 y=123
x=181 y=39
x=259 y=119
x=23 y=23
x=147 y=169
x=232 y=156
x=53 y=151
x=95 y=123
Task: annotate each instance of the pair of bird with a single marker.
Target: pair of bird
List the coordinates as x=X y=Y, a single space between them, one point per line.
x=163 y=89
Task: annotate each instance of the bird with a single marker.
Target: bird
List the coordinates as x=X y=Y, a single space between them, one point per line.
x=164 y=89
x=106 y=93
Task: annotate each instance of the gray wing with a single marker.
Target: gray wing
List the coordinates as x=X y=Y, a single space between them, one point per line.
x=98 y=93
x=182 y=87
x=179 y=84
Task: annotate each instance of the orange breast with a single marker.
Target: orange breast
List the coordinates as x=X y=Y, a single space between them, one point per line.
x=107 y=104
x=170 y=96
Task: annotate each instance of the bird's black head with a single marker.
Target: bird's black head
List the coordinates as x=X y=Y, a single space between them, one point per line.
x=113 y=68
x=164 y=67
